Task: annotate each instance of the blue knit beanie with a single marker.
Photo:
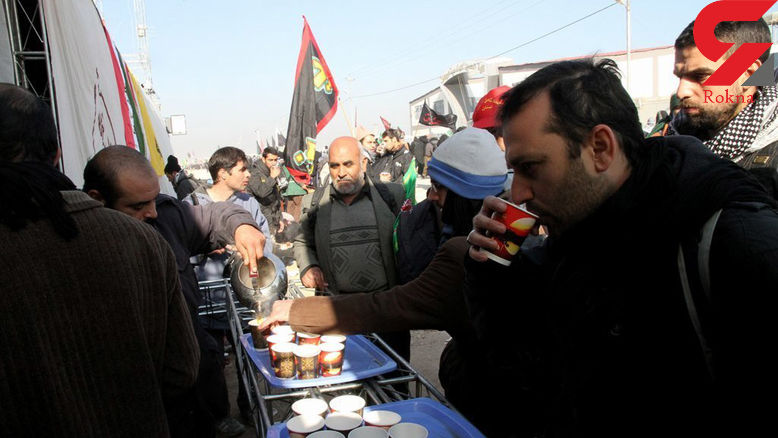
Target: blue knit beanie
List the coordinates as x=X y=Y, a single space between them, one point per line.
x=470 y=163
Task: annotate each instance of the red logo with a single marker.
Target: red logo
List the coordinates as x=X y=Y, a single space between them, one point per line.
x=713 y=49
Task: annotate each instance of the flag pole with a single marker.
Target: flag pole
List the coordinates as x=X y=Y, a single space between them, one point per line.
x=345 y=116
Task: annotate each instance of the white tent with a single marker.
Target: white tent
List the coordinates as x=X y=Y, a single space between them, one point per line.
x=95 y=100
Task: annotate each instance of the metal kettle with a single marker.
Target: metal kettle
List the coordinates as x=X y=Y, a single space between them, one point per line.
x=271 y=283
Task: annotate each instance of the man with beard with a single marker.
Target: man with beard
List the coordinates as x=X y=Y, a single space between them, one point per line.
x=345 y=239
x=736 y=122
x=611 y=327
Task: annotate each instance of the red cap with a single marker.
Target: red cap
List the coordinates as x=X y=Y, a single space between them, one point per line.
x=488 y=108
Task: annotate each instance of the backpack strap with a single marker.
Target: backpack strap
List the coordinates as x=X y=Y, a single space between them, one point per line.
x=703 y=265
x=194 y=199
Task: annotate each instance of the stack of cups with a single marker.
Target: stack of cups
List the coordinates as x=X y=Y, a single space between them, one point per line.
x=333 y=350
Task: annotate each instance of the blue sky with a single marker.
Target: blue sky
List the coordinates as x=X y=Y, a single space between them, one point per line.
x=229 y=66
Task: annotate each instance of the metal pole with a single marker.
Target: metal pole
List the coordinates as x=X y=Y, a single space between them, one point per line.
x=629 y=47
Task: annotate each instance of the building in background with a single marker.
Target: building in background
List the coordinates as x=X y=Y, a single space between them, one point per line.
x=652 y=84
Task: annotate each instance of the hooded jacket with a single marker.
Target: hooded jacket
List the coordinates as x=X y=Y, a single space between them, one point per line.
x=591 y=330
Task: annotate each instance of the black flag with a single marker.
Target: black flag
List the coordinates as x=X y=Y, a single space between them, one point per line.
x=314 y=104
x=430 y=118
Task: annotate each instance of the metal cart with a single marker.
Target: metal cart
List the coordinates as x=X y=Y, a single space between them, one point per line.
x=272 y=405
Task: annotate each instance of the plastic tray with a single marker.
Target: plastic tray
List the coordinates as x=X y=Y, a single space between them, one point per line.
x=440 y=421
x=362 y=360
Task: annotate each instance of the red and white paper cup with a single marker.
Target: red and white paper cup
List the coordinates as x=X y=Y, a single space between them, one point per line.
x=518 y=223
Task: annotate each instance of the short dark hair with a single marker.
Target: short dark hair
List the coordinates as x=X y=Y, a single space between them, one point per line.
x=270 y=151
x=225 y=158
x=583 y=94
x=102 y=171
x=737 y=32
x=392 y=133
x=172 y=164
x=27 y=128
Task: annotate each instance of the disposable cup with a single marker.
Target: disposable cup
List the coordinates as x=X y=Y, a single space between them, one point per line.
x=278 y=339
x=347 y=403
x=307 y=359
x=310 y=406
x=382 y=419
x=368 y=432
x=333 y=338
x=308 y=338
x=343 y=422
x=302 y=426
x=327 y=434
x=283 y=360
x=518 y=223
x=283 y=330
x=331 y=359
x=408 y=430
x=257 y=336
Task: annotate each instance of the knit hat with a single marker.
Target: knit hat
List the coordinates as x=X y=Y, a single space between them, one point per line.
x=487 y=110
x=470 y=163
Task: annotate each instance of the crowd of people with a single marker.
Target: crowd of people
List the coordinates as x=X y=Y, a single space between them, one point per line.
x=638 y=306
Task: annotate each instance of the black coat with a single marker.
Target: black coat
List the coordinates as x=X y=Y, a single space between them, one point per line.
x=395 y=163
x=265 y=189
x=591 y=331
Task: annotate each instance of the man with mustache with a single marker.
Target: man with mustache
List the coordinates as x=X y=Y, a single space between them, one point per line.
x=738 y=122
x=345 y=239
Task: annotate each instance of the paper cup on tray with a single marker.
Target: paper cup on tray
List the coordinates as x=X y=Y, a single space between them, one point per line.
x=343 y=422
x=308 y=338
x=518 y=223
x=408 y=430
x=331 y=359
x=257 y=336
x=325 y=339
x=382 y=419
x=283 y=360
x=348 y=403
x=327 y=434
x=368 y=432
x=310 y=406
x=303 y=426
x=307 y=359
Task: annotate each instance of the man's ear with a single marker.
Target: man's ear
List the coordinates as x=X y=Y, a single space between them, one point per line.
x=604 y=147
x=753 y=68
x=364 y=164
x=94 y=194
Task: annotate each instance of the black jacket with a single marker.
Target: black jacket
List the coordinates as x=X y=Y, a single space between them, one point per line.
x=395 y=163
x=418 y=239
x=266 y=190
x=591 y=331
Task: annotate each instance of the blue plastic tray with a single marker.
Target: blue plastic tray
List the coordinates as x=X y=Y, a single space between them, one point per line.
x=362 y=360
x=439 y=420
